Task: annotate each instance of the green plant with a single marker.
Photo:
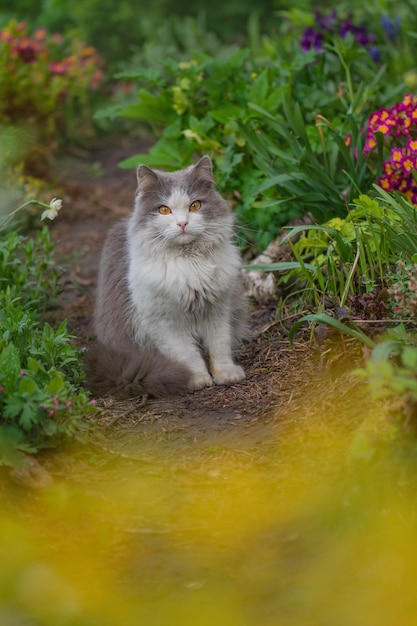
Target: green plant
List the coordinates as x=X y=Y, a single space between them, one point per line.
x=27 y=266
x=309 y=168
x=352 y=330
x=404 y=289
x=41 y=402
x=131 y=25
x=230 y=107
x=391 y=374
x=390 y=371
x=346 y=257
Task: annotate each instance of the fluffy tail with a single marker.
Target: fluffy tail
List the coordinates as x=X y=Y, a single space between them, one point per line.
x=133 y=373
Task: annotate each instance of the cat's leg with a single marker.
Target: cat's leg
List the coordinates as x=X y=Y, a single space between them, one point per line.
x=218 y=342
x=180 y=346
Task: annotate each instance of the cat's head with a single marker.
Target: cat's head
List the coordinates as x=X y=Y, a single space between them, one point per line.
x=181 y=207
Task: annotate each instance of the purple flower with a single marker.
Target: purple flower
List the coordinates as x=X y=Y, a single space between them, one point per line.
x=326 y=22
x=391 y=27
x=327 y=25
x=312 y=39
x=26 y=49
x=375 y=54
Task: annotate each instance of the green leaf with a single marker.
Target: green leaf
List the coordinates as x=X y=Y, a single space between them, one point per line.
x=165 y=153
x=275 y=98
x=323 y=318
x=9 y=368
x=343 y=247
x=33 y=365
x=151 y=109
x=55 y=385
x=409 y=357
x=136 y=160
x=263 y=112
x=226 y=113
x=27 y=385
x=29 y=414
x=259 y=90
x=284 y=266
x=10 y=440
x=386 y=349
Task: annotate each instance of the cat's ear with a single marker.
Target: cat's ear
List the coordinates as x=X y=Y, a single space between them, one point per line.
x=146 y=176
x=203 y=172
x=204 y=165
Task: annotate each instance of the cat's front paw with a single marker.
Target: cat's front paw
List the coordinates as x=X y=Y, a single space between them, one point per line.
x=200 y=380
x=228 y=374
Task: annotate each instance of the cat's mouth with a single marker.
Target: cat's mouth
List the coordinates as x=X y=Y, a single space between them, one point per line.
x=184 y=237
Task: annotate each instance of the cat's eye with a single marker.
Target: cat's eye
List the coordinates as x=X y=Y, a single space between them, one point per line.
x=164 y=210
x=195 y=206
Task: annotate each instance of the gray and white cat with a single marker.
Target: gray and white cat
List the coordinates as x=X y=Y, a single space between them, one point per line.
x=170 y=309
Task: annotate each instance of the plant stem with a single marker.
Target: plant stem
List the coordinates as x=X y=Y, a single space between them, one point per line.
x=352 y=271
x=11 y=215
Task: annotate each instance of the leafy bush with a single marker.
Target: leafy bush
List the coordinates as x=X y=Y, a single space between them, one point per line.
x=40 y=368
x=130 y=24
x=343 y=258
x=45 y=81
x=312 y=173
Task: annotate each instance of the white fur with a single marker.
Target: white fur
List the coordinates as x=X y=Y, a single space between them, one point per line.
x=182 y=280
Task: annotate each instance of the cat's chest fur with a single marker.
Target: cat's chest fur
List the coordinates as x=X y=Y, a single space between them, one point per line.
x=186 y=279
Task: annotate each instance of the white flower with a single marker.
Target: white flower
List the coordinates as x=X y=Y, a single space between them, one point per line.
x=190 y=134
x=54 y=207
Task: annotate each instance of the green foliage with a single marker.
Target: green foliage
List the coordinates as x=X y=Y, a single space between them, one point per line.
x=322 y=318
x=28 y=268
x=40 y=367
x=130 y=24
x=355 y=254
x=391 y=375
x=307 y=171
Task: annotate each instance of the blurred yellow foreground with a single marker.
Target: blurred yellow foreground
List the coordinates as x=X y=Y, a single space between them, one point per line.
x=318 y=529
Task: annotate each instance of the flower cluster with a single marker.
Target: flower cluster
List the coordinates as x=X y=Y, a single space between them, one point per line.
x=326 y=26
x=42 y=75
x=398 y=125
x=53 y=52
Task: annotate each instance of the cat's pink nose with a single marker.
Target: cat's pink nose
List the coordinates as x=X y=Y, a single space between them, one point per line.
x=182 y=225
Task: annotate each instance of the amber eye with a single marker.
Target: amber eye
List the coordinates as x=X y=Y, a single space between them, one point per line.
x=195 y=206
x=164 y=210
